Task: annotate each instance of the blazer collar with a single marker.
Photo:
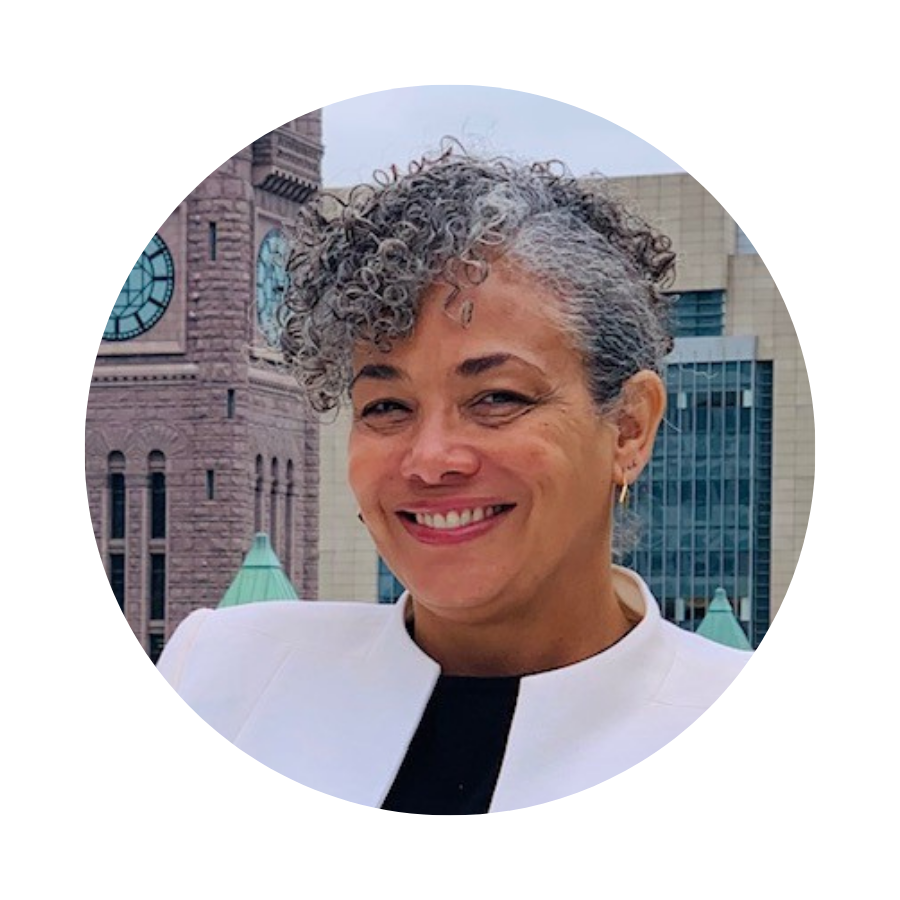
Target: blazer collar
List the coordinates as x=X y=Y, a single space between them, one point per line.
x=579 y=725
x=346 y=732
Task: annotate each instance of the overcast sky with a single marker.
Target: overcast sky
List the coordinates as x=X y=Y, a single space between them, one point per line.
x=396 y=126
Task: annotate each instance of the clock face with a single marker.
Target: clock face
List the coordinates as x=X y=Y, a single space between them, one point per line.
x=145 y=295
x=271 y=284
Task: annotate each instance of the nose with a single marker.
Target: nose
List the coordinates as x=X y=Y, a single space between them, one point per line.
x=437 y=453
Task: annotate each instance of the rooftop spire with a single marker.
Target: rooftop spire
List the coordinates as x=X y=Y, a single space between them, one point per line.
x=721 y=625
x=261 y=577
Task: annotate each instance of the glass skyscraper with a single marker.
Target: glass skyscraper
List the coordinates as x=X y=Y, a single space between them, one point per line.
x=704 y=501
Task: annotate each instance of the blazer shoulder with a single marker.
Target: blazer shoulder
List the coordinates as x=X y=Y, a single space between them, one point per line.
x=178 y=648
x=304 y=621
x=311 y=626
x=701 y=669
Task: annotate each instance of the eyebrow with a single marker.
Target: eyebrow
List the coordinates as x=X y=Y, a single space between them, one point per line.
x=377 y=371
x=471 y=367
x=468 y=368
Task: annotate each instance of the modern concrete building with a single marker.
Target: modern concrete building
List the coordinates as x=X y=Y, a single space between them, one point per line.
x=726 y=498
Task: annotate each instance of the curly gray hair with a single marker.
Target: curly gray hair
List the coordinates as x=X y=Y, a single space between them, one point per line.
x=360 y=264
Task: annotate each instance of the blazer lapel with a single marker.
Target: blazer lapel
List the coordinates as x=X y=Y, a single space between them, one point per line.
x=342 y=724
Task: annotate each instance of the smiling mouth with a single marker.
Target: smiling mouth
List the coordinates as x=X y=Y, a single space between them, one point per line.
x=454 y=519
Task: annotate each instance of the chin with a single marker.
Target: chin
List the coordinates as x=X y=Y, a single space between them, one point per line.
x=454 y=592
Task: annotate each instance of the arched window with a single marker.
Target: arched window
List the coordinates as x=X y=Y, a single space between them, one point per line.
x=288 y=557
x=258 y=498
x=115 y=560
x=273 y=506
x=116 y=496
x=157 y=488
x=156 y=549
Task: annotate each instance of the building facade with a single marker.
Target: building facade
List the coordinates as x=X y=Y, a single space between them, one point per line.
x=726 y=497
x=196 y=438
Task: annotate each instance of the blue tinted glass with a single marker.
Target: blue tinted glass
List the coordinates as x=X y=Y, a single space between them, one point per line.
x=705 y=498
x=389 y=588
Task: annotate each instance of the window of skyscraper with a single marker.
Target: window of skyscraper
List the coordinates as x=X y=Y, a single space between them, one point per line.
x=698 y=314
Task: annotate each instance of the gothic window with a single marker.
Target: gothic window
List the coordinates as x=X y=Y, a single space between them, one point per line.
x=288 y=556
x=157 y=485
x=157 y=641
x=157 y=586
x=258 y=498
x=115 y=559
x=116 y=496
x=156 y=554
x=273 y=506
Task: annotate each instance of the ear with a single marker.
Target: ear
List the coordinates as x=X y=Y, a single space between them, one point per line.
x=637 y=418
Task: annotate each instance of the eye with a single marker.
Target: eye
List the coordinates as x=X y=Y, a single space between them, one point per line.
x=499 y=403
x=383 y=409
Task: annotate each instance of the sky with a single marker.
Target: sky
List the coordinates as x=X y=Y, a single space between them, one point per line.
x=374 y=130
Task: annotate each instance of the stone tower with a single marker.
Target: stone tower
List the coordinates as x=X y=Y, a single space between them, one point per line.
x=196 y=438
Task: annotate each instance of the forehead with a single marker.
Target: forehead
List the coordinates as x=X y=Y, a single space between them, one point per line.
x=509 y=312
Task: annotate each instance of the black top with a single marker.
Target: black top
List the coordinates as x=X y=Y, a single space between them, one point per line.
x=453 y=761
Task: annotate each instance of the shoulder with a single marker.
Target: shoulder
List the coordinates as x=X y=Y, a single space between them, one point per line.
x=701 y=669
x=694 y=670
x=296 y=622
x=267 y=631
x=292 y=620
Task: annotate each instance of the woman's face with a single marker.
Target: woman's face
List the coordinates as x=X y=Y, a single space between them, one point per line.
x=479 y=462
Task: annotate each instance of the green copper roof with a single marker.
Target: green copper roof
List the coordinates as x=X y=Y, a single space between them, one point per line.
x=721 y=625
x=259 y=578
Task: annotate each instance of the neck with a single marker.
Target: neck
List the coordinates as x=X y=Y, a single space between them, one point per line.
x=557 y=628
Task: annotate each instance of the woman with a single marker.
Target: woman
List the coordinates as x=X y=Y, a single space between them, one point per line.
x=498 y=331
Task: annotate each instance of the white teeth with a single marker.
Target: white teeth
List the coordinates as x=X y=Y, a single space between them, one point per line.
x=456 y=518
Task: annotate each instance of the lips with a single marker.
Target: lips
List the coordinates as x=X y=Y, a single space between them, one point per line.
x=456 y=518
x=449 y=521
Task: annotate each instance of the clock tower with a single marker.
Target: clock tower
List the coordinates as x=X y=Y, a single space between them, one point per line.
x=196 y=437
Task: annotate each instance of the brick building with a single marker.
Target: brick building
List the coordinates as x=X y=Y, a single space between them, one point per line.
x=195 y=437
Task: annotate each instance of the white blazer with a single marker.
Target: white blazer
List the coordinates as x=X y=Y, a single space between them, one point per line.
x=330 y=694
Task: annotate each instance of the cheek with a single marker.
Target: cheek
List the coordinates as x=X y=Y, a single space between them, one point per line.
x=369 y=469
x=574 y=464
x=359 y=469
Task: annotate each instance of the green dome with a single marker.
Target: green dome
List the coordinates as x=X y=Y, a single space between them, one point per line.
x=721 y=625
x=259 y=578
